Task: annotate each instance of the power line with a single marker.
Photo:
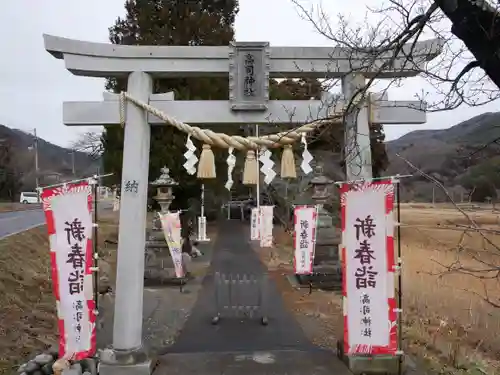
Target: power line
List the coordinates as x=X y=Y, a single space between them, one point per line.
x=496 y=140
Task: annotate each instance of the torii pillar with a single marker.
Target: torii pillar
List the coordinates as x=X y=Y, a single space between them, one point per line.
x=140 y=64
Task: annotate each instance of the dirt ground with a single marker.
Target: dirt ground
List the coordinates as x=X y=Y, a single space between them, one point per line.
x=448 y=326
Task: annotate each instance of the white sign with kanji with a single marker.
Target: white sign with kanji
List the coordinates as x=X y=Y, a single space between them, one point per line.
x=171 y=225
x=68 y=213
x=266 y=226
x=254 y=224
x=304 y=236
x=368 y=266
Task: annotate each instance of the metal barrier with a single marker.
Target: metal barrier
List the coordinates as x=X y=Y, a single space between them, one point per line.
x=240 y=295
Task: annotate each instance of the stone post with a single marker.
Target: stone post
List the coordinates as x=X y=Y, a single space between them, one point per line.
x=358 y=160
x=127 y=329
x=357 y=148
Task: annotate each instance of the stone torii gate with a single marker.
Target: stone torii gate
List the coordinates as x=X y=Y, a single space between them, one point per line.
x=248 y=104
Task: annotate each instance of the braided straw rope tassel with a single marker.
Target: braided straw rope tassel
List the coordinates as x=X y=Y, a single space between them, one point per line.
x=206 y=165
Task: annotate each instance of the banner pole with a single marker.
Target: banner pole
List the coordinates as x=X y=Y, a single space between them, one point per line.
x=95 y=236
x=75 y=181
x=373 y=179
x=400 y=282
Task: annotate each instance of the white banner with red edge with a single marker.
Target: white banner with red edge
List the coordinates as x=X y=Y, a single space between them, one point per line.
x=266 y=217
x=369 y=303
x=254 y=225
x=171 y=224
x=304 y=238
x=68 y=213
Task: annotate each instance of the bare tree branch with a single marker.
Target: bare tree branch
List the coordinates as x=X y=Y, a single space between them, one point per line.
x=91 y=143
x=484 y=268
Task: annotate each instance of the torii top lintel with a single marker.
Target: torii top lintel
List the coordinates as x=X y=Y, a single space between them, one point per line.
x=105 y=59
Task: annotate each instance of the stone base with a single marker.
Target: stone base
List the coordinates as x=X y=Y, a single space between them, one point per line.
x=122 y=362
x=371 y=364
x=203 y=239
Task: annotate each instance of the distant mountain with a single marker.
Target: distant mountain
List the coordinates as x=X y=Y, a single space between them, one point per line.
x=444 y=154
x=54 y=162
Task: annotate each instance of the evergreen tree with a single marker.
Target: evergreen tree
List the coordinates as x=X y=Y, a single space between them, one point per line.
x=333 y=137
x=172 y=22
x=9 y=176
x=205 y=22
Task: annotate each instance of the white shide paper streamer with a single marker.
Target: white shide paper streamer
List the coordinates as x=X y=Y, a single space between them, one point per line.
x=190 y=156
x=307 y=158
x=267 y=166
x=231 y=162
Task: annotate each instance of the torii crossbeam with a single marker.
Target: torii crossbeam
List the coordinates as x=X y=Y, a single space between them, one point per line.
x=249 y=66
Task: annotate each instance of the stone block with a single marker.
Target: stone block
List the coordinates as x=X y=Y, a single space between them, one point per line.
x=373 y=365
x=71 y=371
x=43 y=359
x=143 y=368
x=124 y=362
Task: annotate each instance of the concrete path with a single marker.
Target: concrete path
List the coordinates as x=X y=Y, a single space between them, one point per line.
x=233 y=255
x=290 y=362
x=243 y=346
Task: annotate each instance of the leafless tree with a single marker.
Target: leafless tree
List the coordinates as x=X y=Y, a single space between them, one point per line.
x=91 y=143
x=453 y=76
x=481 y=263
x=462 y=74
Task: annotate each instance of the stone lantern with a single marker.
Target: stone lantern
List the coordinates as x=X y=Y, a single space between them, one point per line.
x=326 y=258
x=320 y=184
x=157 y=253
x=164 y=196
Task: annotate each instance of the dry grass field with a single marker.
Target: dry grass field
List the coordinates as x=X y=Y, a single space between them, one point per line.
x=448 y=327
x=448 y=273
x=9 y=207
x=27 y=305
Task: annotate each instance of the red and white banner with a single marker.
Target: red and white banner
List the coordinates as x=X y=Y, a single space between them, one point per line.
x=304 y=238
x=266 y=226
x=369 y=303
x=68 y=213
x=171 y=224
x=254 y=225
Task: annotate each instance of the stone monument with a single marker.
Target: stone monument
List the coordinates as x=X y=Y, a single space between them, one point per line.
x=326 y=264
x=326 y=272
x=157 y=255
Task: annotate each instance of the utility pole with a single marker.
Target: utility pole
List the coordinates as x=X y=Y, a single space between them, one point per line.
x=37 y=178
x=73 y=162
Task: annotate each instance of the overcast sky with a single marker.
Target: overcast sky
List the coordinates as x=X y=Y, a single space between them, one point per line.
x=33 y=84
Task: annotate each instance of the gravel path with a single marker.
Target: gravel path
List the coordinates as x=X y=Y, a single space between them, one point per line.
x=165 y=311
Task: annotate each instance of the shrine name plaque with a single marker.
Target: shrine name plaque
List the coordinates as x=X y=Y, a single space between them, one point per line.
x=249 y=64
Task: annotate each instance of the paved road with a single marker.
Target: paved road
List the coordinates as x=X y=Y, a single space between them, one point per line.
x=19 y=221
x=15 y=222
